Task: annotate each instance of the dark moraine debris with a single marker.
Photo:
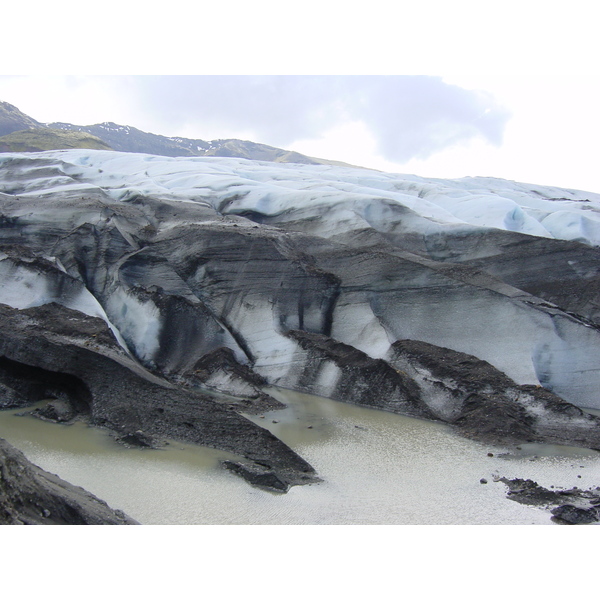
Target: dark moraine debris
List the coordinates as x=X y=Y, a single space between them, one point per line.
x=31 y=496
x=491 y=418
x=11 y=398
x=261 y=475
x=423 y=380
x=485 y=404
x=51 y=351
x=219 y=370
x=572 y=506
x=58 y=410
x=361 y=380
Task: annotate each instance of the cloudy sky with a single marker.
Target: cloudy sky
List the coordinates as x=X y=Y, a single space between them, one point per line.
x=440 y=89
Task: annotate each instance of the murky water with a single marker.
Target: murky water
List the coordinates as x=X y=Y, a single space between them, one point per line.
x=378 y=468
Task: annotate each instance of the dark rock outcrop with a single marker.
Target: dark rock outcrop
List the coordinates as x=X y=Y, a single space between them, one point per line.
x=52 y=351
x=31 y=496
x=261 y=475
x=360 y=379
x=572 y=515
x=58 y=411
x=571 y=507
x=430 y=382
x=485 y=404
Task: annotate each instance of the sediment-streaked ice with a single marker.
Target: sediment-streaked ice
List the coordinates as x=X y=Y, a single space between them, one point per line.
x=25 y=286
x=382 y=299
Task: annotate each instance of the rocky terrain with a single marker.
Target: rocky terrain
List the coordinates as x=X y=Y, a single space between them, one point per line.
x=73 y=361
x=158 y=297
x=31 y=496
x=12 y=119
x=572 y=506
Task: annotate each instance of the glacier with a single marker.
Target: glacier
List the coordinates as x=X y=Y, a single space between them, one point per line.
x=229 y=275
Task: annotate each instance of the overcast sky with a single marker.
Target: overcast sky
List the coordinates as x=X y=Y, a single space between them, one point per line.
x=475 y=88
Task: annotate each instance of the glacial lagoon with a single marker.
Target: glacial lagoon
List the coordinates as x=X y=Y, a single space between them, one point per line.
x=377 y=468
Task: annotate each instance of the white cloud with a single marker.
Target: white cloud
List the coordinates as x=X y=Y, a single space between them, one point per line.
x=534 y=59
x=408 y=116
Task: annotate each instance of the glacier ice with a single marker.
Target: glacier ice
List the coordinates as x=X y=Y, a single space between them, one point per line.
x=251 y=250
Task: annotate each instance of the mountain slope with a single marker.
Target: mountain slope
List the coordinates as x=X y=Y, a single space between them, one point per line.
x=41 y=139
x=129 y=139
x=12 y=119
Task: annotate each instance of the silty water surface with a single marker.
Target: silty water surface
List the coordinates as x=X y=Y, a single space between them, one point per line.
x=377 y=467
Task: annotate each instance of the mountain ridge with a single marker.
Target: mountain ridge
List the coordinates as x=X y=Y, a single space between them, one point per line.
x=12 y=119
x=125 y=138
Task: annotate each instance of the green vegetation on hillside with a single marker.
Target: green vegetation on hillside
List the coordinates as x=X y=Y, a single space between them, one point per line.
x=38 y=140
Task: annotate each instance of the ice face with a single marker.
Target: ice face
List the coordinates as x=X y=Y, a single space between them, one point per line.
x=250 y=250
x=567 y=363
x=258 y=321
x=139 y=323
x=22 y=287
x=355 y=324
x=567 y=225
x=28 y=285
